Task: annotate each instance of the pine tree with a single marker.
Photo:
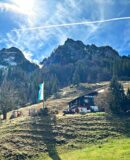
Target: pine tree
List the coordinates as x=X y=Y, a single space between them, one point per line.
x=76 y=78
x=117 y=98
x=54 y=86
x=8 y=98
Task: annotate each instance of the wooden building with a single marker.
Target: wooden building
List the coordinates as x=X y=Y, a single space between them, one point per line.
x=84 y=103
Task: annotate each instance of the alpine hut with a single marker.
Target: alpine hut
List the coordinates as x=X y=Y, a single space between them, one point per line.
x=84 y=103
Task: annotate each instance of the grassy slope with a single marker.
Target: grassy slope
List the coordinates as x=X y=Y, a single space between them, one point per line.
x=26 y=137
x=112 y=150
x=117 y=149
x=64 y=96
x=68 y=93
x=22 y=138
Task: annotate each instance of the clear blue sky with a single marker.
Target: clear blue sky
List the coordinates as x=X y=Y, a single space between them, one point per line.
x=39 y=43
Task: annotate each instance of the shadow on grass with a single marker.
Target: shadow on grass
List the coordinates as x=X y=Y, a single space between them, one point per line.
x=44 y=126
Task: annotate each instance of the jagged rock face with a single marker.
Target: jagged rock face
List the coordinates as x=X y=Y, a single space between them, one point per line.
x=73 y=51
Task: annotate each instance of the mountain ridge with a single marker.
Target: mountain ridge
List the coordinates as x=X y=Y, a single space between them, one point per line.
x=68 y=41
x=67 y=49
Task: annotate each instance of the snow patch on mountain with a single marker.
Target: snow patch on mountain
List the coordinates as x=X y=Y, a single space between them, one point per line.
x=11 y=61
x=2 y=67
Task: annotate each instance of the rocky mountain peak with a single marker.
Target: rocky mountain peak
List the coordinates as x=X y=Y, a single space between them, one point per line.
x=72 y=51
x=71 y=42
x=12 y=57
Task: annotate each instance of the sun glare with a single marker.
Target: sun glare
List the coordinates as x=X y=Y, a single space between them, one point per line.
x=25 y=5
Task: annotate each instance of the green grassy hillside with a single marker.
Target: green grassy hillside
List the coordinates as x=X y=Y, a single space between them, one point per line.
x=24 y=138
x=117 y=149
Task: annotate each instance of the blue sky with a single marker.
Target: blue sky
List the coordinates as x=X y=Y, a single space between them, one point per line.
x=39 y=43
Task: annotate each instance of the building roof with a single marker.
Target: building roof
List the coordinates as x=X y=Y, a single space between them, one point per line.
x=92 y=94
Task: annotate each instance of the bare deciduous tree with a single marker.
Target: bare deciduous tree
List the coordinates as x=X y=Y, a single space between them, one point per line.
x=8 y=98
x=101 y=101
